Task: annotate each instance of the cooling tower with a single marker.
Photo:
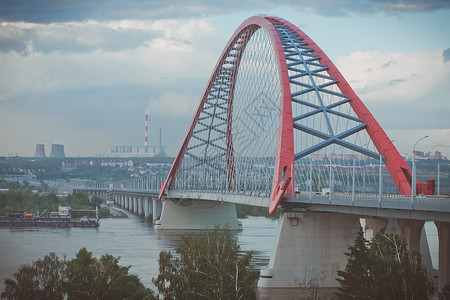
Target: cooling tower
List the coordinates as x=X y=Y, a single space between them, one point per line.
x=57 y=151
x=40 y=151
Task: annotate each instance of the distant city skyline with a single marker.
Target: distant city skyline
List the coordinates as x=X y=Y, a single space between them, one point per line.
x=85 y=74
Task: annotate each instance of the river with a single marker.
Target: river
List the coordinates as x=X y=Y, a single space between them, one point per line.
x=134 y=241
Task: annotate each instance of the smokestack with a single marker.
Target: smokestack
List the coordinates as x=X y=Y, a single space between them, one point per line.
x=160 y=139
x=57 y=151
x=146 y=131
x=40 y=151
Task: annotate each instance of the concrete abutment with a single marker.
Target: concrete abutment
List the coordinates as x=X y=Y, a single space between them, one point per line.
x=197 y=215
x=309 y=245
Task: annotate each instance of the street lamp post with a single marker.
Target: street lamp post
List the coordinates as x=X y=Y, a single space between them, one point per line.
x=413 y=183
x=438 y=177
x=380 y=185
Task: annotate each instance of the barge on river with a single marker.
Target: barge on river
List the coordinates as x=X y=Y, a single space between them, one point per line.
x=62 y=218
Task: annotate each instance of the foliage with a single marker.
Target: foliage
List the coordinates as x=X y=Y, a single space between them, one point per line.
x=83 y=277
x=312 y=283
x=40 y=280
x=91 y=278
x=244 y=210
x=208 y=266
x=26 y=200
x=88 y=168
x=383 y=269
x=445 y=293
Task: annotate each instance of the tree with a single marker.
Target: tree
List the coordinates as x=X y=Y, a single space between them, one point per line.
x=84 y=277
x=383 y=269
x=357 y=271
x=40 y=280
x=208 y=266
x=91 y=278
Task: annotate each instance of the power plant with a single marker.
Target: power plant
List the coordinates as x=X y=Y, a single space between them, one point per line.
x=57 y=151
x=140 y=151
x=40 y=151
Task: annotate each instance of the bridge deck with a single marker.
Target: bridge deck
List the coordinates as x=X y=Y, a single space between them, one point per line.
x=430 y=208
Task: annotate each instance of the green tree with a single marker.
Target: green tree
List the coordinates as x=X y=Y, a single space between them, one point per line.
x=357 y=271
x=208 y=266
x=383 y=269
x=83 y=277
x=42 y=279
x=91 y=278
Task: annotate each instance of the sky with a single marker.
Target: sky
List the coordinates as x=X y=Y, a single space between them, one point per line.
x=84 y=73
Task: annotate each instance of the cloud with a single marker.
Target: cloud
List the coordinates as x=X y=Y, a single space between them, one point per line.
x=173 y=104
x=379 y=76
x=446 y=55
x=26 y=38
x=48 y=11
x=100 y=92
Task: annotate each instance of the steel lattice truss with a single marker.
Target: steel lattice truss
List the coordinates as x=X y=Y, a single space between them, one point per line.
x=315 y=92
x=277 y=116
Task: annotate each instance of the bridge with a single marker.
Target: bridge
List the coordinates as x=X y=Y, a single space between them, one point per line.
x=278 y=126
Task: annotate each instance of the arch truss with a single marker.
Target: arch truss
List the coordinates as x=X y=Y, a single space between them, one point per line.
x=276 y=118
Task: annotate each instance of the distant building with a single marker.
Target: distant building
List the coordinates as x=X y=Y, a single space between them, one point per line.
x=137 y=151
x=40 y=151
x=57 y=151
x=436 y=155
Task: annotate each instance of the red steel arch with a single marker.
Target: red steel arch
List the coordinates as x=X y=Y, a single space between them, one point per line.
x=283 y=179
x=397 y=167
x=285 y=148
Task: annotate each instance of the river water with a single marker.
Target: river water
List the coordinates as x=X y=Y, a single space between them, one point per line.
x=134 y=241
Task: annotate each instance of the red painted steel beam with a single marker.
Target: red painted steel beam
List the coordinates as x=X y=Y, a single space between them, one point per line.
x=397 y=167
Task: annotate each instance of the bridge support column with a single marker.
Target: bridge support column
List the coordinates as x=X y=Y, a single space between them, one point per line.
x=126 y=202
x=197 y=215
x=309 y=244
x=146 y=208
x=157 y=208
x=443 y=229
x=140 y=206
x=135 y=205
x=412 y=231
x=373 y=226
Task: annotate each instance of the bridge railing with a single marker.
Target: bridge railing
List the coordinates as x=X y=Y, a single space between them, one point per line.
x=393 y=201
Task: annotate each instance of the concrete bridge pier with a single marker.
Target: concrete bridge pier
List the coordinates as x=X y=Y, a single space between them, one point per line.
x=140 y=206
x=146 y=207
x=412 y=232
x=373 y=226
x=197 y=215
x=156 y=210
x=443 y=229
x=309 y=245
x=126 y=200
x=150 y=207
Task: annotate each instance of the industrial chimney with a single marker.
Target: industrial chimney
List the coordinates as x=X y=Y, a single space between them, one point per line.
x=57 y=151
x=40 y=151
x=146 y=131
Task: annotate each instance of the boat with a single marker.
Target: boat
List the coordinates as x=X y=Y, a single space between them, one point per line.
x=61 y=218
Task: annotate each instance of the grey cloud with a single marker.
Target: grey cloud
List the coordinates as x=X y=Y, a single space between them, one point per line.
x=47 y=11
x=446 y=55
x=70 y=37
x=395 y=82
x=388 y=64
